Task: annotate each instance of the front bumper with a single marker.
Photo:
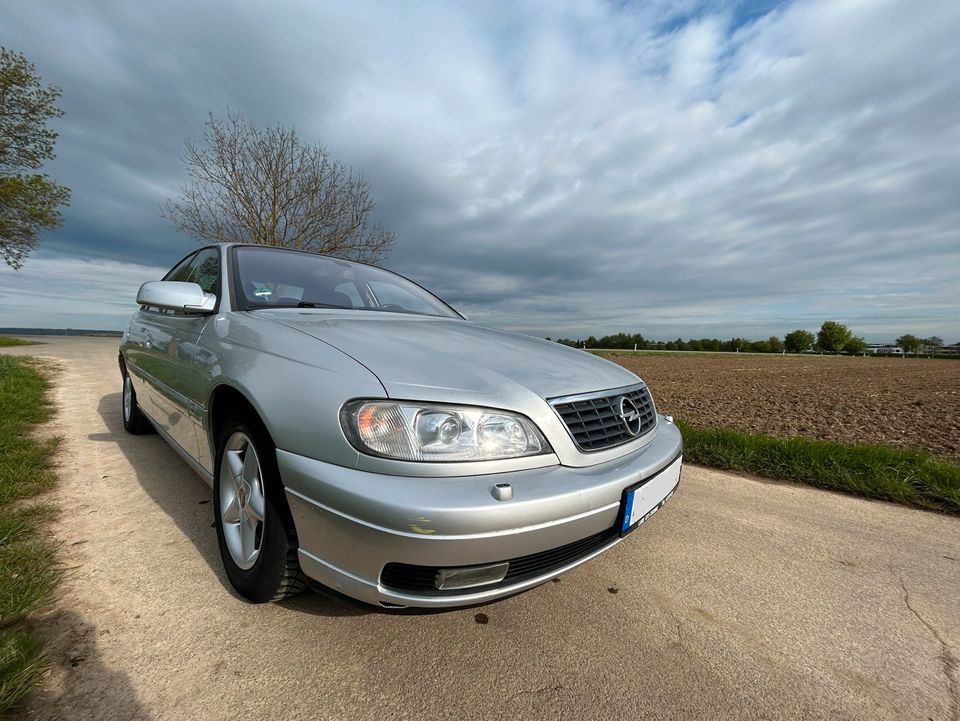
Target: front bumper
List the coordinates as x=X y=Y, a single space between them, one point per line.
x=352 y=523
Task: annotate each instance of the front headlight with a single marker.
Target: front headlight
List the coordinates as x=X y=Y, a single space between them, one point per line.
x=408 y=431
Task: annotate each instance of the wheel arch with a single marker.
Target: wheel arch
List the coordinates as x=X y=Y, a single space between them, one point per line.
x=226 y=400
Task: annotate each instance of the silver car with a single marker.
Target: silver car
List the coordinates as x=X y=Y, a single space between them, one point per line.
x=361 y=434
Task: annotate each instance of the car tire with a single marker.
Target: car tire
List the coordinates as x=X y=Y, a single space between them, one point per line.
x=134 y=421
x=255 y=531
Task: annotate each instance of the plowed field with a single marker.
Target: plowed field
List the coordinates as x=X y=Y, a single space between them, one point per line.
x=904 y=402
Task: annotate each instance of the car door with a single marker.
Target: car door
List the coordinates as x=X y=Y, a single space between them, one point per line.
x=170 y=341
x=142 y=362
x=135 y=350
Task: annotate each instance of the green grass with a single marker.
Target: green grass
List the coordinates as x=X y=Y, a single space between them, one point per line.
x=911 y=477
x=7 y=341
x=28 y=573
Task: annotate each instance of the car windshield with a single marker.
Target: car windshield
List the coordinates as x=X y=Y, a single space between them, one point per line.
x=277 y=278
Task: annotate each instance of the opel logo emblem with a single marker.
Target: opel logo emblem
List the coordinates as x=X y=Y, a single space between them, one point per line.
x=630 y=415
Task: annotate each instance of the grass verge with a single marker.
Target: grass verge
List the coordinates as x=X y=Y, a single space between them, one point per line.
x=28 y=572
x=911 y=477
x=7 y=341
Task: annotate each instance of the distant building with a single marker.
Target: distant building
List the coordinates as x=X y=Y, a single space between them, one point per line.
x=884 y=349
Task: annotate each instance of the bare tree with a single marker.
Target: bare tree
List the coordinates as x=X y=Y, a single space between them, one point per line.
x=262 y=185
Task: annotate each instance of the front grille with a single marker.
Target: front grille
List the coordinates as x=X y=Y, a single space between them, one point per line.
x=420 y=579
x=595 y=422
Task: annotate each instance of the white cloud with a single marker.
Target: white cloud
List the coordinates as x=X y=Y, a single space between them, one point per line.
x=571 y=167
x=695 y=53
x=72 y=293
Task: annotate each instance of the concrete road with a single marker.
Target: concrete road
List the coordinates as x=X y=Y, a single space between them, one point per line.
x=740 y=600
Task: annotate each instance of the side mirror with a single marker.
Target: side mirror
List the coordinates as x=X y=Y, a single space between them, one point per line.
x=177 y=296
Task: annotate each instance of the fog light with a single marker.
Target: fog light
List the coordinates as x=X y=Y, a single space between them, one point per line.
x=448 y=578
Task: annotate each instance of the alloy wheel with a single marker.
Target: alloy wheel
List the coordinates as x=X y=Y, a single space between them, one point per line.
x=127 y=398
x=242 y=502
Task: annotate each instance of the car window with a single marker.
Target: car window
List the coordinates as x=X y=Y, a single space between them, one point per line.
x=181 y=271
x=205 y=270
x=393 y=297
x=265 y=291
x=276 y=278
x=349 y=289
x=202 y=268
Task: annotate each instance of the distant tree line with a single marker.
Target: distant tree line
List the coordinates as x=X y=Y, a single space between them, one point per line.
x=913 y=344
x=833 y=337
x=631 y=341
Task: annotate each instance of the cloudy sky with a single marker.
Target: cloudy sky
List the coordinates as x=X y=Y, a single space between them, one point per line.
x=675 y=167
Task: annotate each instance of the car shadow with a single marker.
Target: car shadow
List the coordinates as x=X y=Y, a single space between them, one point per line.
x=78 y=684
x=187 y=500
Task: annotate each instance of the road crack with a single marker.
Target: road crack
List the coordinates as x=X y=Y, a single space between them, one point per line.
x=947 y=658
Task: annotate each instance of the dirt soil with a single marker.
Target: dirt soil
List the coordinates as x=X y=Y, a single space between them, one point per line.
x=903 y=402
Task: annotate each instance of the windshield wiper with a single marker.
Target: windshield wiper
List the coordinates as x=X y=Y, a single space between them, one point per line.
x=301 y=304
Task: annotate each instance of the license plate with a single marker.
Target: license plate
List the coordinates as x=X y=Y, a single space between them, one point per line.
x=646 y=497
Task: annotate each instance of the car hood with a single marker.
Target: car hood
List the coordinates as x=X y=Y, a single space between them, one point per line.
x=431 y=358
